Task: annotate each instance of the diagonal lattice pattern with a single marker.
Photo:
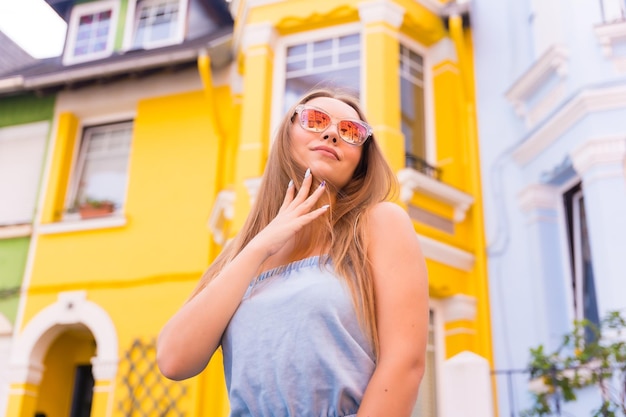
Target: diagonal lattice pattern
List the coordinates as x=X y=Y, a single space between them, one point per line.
x=147 y=392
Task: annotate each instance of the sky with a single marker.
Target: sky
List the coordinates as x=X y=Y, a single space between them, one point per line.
x=34 y=26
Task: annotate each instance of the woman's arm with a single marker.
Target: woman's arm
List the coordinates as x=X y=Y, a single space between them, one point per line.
x=189 y=339
x=401 y=293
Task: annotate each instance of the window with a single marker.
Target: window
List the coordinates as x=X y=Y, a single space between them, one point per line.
x=583 y=285
x=613 y=10
x=412 y=106
x=22 y=151
x=102 y=166
x=426 y=405
x=91 y=32
x=336 y=60
x=157 y=23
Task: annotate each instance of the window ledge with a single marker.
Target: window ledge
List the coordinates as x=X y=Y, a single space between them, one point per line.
x=539 y=89
x=612 y=36
x=412 y=181
x=76 y=225
x=13 y=231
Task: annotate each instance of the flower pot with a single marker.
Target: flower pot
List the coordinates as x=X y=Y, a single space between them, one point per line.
x=89 y=211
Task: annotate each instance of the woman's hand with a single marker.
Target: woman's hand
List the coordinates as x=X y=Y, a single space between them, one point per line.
x=295 y=213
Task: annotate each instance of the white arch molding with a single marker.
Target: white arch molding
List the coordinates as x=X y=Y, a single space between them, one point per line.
x=71 y=309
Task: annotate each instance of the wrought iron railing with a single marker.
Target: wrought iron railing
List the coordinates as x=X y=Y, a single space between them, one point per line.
x=147 y=392
x=420 y=165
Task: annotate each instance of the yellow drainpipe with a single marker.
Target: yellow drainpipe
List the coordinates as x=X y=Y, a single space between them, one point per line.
x=455 y=24
x=211 y=379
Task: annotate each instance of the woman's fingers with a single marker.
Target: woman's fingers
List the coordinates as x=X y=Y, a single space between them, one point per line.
x=288 y=196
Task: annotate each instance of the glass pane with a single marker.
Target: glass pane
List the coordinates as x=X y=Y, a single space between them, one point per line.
x=349 y=40
x=322 y=61
x=295 y=65
x=104 y=172
x=324 y=45
x=350 y=57
x=296 y=50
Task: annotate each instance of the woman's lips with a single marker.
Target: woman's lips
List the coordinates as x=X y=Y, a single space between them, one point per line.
x=327 y=150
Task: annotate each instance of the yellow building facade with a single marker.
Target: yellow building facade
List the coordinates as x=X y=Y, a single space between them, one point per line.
x=97 y=291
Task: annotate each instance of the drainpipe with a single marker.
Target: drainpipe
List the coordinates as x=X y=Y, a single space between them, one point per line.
x=206 y=75
x=457 y=19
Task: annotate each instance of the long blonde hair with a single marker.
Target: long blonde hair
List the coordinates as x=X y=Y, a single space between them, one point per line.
x=373 y=181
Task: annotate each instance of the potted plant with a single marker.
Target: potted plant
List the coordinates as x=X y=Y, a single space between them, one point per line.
x=91 y=208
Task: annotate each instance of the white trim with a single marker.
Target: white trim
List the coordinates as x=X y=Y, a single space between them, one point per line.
x=553 y=61
x=459 y=307
x=71 y=308
x=538 y=196
x=381 y=11
x=223 y=208
x=10 y=84
x=242 y=21
x=608 y=34
x=607 y=151
x=412 y=181
x=442 y=51
x=5 y=326
x=253 y=185
x=108 y=222
x=259 y=34
x=90 y=8
x=129 y=30
x=461 y=331
x=582 y=105
x=446 y=254
x=10 y=232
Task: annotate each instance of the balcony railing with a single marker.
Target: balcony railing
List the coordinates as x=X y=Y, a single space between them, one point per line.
x=418 y=164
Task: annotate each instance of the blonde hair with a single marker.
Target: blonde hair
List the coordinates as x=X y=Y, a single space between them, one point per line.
x=373 y=181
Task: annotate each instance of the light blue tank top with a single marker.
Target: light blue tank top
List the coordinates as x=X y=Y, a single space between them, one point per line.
x=294 y=347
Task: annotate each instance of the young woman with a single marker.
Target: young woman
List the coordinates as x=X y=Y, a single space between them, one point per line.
x=320 y=303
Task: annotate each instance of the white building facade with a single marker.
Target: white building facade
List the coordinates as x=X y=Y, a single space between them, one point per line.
x=551 y=89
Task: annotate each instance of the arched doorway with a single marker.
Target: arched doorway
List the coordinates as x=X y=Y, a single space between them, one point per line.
x=72 y=339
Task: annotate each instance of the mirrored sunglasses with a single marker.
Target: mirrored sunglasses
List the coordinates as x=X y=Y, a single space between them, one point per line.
x=354 y=132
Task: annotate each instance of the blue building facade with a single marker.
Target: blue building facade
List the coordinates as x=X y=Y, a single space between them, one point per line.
x=551 y=89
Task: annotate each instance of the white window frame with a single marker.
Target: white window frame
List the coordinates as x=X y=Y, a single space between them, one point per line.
x=574 y=300
x=410 y=78
x=280 y=61
x=430 y=154
x=76 y=170
x=438 y=347
x=131 y=16
x=85 y=9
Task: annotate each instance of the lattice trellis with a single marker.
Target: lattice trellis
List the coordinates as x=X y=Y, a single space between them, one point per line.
x=148 y=392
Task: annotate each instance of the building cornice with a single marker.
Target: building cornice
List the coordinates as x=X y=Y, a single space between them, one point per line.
x=381 y=11
x=459 y=307
x=554 y=62
x=446 y=254
x=538 y=196
x=412 y=181
x=609 y=151
x=259 y=34
x=583 y=104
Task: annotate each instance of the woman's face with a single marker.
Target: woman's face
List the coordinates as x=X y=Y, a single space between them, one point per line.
x=328 y=156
